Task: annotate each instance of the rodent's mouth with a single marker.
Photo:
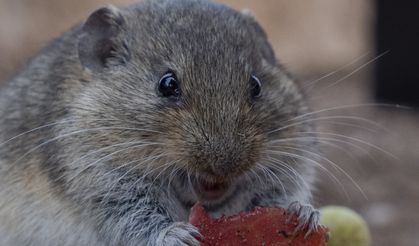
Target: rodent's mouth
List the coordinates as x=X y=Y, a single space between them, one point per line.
x=209 y=189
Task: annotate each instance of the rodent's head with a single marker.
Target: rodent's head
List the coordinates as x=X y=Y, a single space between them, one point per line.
x=200 y=80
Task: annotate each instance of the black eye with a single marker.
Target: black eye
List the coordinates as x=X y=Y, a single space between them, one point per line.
x=256 y=87
x=169 y=85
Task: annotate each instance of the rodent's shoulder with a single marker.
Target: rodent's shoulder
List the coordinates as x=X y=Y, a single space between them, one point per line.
x=39 y=87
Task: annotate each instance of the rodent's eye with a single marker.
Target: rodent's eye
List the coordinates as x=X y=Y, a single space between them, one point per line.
x=169 y=85
x=256 y=86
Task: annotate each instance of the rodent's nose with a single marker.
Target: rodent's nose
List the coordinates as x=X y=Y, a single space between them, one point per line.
x=221 y=168
x=223 y=160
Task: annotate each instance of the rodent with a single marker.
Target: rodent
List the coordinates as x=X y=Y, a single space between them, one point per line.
x=113 y=131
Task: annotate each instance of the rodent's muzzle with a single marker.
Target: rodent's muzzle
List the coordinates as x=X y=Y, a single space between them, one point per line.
x=216 y=168
x=209 y=189
x=222 y=163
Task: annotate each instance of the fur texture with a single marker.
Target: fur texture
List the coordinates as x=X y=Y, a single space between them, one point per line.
x=91 y=154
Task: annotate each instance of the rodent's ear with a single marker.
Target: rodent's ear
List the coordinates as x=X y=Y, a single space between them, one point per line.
x=100 y=42
x=248 y=13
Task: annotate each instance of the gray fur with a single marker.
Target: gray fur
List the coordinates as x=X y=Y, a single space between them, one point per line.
x=104 y=160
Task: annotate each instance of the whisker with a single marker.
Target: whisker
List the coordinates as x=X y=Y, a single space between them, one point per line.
x=331 y=144
x=333 y=164
x=49 y=125
x=323 y=118
x=323 y=140
x=355 y=140
x=190 y=182
x=272 y=176
x=172 y=174
x=280 y=182
x=350 y=106
x=107 y=156
x=289 y=168
x=262 y=181
x=95 y=152
x=142 y=160
x=147 y=171
x=256 y=176
x=271 y=165
x=165 y=167
x=356 y=70
x=354 y=126
x=71 y=134
x=300 y=157
x=313 y=82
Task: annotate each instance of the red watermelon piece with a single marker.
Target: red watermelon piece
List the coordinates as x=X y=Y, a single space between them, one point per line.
x=259 y=227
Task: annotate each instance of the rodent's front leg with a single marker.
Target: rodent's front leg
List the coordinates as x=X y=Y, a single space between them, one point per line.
x=140 y=218
x=178 y=234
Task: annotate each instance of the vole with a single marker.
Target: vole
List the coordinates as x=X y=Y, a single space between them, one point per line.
x=113 y=131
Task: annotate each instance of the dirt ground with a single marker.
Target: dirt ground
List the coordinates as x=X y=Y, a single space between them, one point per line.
x=376 y=145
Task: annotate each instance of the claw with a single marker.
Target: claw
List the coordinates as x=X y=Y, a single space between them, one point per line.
x=308 y=217
x=179 y=234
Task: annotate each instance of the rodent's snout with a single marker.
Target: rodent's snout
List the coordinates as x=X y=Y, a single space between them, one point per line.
x=225 y=156
x=217 y=163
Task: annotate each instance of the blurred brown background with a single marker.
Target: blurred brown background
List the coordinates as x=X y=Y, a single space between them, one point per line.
x=307 y=35
x=313 y=39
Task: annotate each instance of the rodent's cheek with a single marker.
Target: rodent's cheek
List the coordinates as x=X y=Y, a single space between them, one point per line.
x=172 y=144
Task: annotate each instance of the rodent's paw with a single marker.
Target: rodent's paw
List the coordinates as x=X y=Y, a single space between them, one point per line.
x=179 y=234
x=307 y=216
